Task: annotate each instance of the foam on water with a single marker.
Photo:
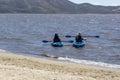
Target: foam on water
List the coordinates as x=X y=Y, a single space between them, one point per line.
x=88 y=62
x=117 y=28
x=2 y=51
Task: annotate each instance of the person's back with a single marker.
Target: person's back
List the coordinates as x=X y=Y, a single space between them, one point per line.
x=56 y=38
x=79 y=38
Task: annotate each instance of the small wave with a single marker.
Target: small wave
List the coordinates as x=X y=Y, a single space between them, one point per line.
x=117 y=28
x=1 y=50
x=102 y=64
x=11 y=38
x=14 y=39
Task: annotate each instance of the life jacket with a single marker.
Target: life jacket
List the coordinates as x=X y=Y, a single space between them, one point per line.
x=56 y=39
x=78 y=38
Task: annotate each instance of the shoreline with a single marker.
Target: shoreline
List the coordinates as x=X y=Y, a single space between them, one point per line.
x=36 y=68
x=81 y=62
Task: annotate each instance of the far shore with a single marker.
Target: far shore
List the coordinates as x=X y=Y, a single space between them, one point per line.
x=18 y=67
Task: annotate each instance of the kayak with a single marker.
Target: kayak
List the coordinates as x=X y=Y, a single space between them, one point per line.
x=79 y=44
x=57 y=44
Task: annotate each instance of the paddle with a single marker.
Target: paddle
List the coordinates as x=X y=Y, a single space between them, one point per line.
x=68 y=36
x=45 y=41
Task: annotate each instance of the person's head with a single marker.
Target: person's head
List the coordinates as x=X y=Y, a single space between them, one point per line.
x=79 y=34
x=56 y=34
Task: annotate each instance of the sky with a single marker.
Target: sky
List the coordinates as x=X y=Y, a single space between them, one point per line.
x=99 y=2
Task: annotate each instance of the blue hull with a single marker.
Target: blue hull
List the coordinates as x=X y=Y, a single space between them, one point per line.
x=57 y=44
x=78 y=44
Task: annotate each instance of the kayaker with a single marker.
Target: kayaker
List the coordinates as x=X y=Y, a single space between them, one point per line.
x=79 y=38
x=56 y=38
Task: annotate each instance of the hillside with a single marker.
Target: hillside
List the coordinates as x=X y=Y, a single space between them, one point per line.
x=53 y=6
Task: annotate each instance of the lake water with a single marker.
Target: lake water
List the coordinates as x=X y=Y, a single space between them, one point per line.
x=23 y=34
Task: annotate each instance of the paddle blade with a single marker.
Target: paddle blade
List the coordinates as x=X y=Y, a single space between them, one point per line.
x=93 y=36
x=68 y=36
x=97 y=36
x=45 y=41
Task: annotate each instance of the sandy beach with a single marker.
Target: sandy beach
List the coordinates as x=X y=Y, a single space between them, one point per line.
x=18 y=67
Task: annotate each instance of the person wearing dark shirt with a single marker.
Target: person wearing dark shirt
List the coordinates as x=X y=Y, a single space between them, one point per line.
x=79 y=38
x=56 y=38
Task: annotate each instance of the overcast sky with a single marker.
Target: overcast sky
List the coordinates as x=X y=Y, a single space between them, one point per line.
x=99 y=2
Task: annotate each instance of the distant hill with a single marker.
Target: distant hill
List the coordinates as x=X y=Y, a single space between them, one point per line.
x=53 y=6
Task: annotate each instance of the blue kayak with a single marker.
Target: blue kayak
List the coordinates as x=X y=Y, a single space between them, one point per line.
x=57 y=44
x=79 y=44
